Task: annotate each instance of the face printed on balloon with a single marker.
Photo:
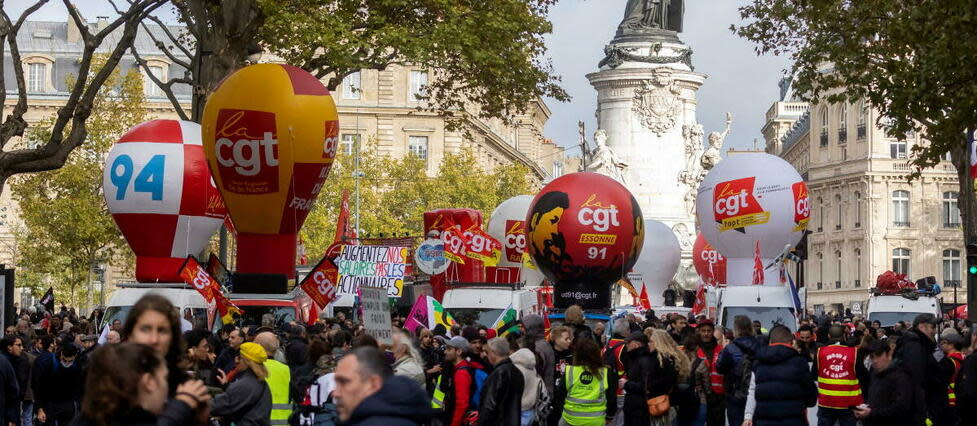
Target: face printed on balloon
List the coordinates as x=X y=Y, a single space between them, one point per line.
x=545 y=221
x=639 y=229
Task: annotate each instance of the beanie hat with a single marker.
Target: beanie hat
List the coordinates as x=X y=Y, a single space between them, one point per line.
x=254 y=352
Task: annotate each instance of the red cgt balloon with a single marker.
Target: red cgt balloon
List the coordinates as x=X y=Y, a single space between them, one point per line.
x=710 y=265
x=584 y=231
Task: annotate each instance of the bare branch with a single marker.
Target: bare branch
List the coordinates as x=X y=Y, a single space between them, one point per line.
x=166 y=51
x=167 y=87
x=174 y=39
x=28 y=12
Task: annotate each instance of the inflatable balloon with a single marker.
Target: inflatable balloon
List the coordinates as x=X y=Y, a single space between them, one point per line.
x=659 y=260
x=710 y=265
x=270 y=132
x=159 y=190
x=508 y=225
x=750 y=198
x=584 y=232
x=472 y=270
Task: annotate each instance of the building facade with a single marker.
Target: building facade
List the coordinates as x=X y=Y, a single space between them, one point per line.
x=381 y=105
x=866 y=216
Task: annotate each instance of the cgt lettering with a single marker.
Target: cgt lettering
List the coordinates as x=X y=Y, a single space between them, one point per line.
x=803 y=207
x=517 y=242
x=711 y=256
x=248 y=155
x=731 y=205
x=477 y=242
x=601 y=218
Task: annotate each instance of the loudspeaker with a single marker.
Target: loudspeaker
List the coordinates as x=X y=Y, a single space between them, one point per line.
x=259 y=283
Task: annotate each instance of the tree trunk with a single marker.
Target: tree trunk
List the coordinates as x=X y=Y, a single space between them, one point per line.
x=968 y=215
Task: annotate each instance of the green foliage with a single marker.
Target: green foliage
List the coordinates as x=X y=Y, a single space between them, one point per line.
x=909 y=59
x=484 y=53
x=66 y=225
x=395 y=193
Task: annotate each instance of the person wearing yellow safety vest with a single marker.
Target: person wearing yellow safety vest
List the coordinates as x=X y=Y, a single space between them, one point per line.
x=951 y=344
x=453 y=388
x=279 y=378
x=591 y=399
x=838 y=372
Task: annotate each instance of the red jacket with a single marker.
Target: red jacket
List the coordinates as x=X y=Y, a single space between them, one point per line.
x=462 y=385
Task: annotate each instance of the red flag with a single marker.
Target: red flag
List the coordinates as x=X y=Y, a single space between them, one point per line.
x=482 y=246
x=195 y=275
x=300 y=252
x=643 y=298
x=454 y=240
x=757 y=265
x=321 y=283
x=225 y=308
x=344 y=229
x=700 y=300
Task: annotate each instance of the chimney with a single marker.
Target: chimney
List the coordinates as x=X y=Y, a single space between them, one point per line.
x=101 y=22
x=74 y=34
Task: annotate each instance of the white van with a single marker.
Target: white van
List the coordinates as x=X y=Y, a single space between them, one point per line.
x=890 y=309
x=768 y=304
x=485 y=303
x=180 y=294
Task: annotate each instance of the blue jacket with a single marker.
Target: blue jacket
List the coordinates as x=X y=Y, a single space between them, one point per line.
x=783 y=386
x=731 y=356
x=400 y=402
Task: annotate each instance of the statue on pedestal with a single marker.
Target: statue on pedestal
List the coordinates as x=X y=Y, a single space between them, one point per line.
x=713 y=154
x=604 y=161
x=693 y=173
x=652 y=14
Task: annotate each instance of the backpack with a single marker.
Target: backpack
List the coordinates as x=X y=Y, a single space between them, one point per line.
x=544 y=405
x=744 y=373
x=479 y=375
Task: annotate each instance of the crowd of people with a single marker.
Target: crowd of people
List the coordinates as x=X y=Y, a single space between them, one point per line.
x=154 y=368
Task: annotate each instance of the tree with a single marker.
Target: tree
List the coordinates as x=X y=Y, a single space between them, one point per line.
x=67 y=227
x=908 y=59
x=60 y=142
x=488 y=55
x=395 y=193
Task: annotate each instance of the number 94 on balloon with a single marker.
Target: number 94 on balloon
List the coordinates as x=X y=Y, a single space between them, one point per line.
x=141 y=180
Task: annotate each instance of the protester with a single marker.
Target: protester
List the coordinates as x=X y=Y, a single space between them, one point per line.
x=561 y=339
x=453 y=389
x=915 y=349
x=247 y=400
x=200 y=356
x=951 y=345
x=127 y=385
x=615 y=365
x=703 y=349
x=278 y=379
x=679 y=329
x=638 y=362
x=501 y=396
x=368 y=394
x=59 y=385
x=525 y=361
x=13 y=375
x=407 y=360
x=741 y=350
x=893 y=399
x=780 y=387
x=590 y=396
x=153 y=321
x=432 y=358
x=225 y=359
x=669 y=367
x=545 y=357
x=573 y=317
x=297 y=348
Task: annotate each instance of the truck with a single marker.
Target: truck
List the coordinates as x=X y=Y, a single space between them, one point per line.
x=483 y=303
x=292 y=306
x=889 y=309
x=768 y=304
x=188 y=300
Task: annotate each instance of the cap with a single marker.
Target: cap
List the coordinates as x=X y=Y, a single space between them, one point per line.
x=254 y=352
x=952 y=338
x=638 y=336
x=459 y=342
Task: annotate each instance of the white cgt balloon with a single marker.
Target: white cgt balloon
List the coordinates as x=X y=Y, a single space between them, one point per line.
x=508 y=225
x=749 y=198
x=658 y=262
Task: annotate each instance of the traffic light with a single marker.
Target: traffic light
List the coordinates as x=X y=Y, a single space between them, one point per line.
x=972 y=281
x=971 y=261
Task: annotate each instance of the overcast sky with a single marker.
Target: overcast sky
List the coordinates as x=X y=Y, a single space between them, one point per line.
x=739 y=81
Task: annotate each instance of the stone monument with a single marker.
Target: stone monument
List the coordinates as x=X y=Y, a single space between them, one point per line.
x=648 y=137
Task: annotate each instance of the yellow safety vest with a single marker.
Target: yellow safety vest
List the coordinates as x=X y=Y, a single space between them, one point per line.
x=278 y=380
x=586 y=403
x=437 y=399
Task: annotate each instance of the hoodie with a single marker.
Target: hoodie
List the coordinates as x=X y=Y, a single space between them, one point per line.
x=400 y=402
x=525 y=361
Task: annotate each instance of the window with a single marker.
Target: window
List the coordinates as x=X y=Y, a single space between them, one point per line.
x=418 y=81
x=820 y=270
x=838 y=265
x=841 y=216
x=897 y=150
x=349 y=143
x=843 y=123
x=858 y=267
x=900 y=261
x=36 y=77
x=824 y=126
x=820 y=214
x=862 y=120
x=858 y=209
x=351 y=86
x=951 y=210
x=951 y=268
x=150 y=88
x=900 y=208
x=417 y=145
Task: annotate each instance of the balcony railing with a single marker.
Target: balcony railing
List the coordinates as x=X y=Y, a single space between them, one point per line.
x=842 y=136
x=860 y=132
x=951 y=283
x=951 y=224
x=837 y=284
x=899 y=224
x=824 y=138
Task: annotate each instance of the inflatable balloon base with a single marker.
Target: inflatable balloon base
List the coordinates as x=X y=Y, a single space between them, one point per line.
x=259 y=283
x=158 y=269
x=266 y=253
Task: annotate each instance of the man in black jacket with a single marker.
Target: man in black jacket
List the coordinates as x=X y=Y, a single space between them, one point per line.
x=781 y=387
x=297 y=349
x=892 y=398
x=915 y=351
x=58 y=387
x=501 y=398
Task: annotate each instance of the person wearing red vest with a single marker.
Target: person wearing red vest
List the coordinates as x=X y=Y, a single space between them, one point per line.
x=951 y=344
x=612 y=360
x=704 y=354
x=837 y=371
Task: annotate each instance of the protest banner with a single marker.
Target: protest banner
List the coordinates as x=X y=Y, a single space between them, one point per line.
x=320 y=283
x=376 y=313
x=372 y=266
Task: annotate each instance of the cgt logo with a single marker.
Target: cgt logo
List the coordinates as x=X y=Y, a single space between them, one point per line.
x=477 y=242
x=600 y=217
x=515 y=240
x=247 y=151
x=802 y=206
x=735 y=207
x=331 y=143
x=711 y=256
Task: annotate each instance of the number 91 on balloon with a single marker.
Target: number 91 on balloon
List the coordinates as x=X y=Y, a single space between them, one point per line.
x=144 y=177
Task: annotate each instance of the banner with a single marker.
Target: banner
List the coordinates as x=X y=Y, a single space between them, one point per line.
x=428 y=313
x=482 y=246
x=198 y=278
x=320 y=283
x=376 y=313
x=454 y=241
x=373 y=266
